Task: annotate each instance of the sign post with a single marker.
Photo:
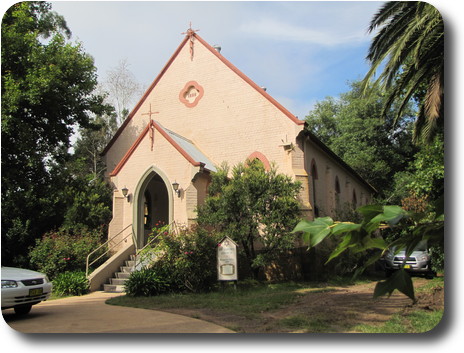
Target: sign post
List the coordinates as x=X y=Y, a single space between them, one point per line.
x=227 y=260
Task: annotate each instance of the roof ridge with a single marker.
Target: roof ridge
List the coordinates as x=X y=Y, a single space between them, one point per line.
x=226 y=62
x=174 y=133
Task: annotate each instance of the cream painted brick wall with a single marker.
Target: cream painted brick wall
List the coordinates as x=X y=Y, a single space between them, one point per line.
x=230 y=122
x=165 y=157
x=328 y=169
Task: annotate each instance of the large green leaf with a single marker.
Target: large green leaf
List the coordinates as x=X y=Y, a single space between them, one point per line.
x=345 y=244
x=390 y=215
x=345 y=227
x=400 y=280
x=316 y=231
x=370 y=211
x=376 y=243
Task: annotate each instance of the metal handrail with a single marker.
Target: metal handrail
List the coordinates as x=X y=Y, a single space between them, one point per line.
x=172 y=225
x=109 y=248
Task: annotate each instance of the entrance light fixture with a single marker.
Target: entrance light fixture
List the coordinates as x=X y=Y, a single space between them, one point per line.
x=175 y=186
x=124 y=191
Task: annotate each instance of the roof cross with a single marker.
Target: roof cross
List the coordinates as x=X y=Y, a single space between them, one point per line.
x=150 y=113
x=152 y=132
x=190 y=32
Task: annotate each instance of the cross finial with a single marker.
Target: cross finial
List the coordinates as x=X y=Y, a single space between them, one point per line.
x=190 y=31
x=152 y=131
x=150 y=113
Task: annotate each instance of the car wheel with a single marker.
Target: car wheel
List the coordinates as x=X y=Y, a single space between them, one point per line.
x=388 y=273
x=23 y=309
x=429 y=275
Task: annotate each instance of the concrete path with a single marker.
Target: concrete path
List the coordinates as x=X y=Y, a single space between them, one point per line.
x=90 y=314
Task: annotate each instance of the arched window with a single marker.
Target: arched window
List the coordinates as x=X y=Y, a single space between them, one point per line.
x=314 y=177
x=354 y=199
x=147 y=210
x=337 y=193
x=261 y=157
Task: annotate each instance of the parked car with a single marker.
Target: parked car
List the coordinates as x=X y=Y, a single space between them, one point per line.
x=418 y=262
x=23 y=288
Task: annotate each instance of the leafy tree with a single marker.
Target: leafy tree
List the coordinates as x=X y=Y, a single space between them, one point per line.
x=410 y=43
x=47 y=90
x=122 y=88
x=87 y=195
x=422 y=183
x=363 y=236
x=351 y=126
x=253 y=206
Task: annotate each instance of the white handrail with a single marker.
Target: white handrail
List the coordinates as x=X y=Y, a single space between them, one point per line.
x=171 y=226
x=108 y=250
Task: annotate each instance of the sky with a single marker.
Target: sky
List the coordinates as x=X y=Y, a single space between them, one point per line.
x=301 y=52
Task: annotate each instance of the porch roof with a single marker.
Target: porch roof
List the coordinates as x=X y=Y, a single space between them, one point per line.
x=190 y=148
x=185 y=147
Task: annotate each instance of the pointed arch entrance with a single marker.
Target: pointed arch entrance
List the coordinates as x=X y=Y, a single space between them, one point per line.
x=153 y=203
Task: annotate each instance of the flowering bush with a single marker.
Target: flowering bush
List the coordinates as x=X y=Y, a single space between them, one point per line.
x=186 y=261
x=62 y=251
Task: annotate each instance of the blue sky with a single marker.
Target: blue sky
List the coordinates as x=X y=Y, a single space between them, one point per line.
x=300 y=51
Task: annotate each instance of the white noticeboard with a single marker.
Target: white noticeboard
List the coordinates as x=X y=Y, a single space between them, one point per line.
x=227 y=260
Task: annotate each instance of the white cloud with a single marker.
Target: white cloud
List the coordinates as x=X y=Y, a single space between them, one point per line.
x=278 y=30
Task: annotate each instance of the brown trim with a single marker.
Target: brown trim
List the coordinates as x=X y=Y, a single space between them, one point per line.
x=145 y=96
x=184 y=90
x=131 y=150
x=249 y=81
x=313 y=138
x=176 y=145
x=261 y=157
x=226 y=62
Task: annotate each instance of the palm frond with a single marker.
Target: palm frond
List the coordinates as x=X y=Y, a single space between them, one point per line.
x=410 y=46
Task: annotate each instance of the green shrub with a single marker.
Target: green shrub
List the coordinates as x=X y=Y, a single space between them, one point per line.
x=62 y=251
x=71 y=283
x=145 y=283
x=187 y=261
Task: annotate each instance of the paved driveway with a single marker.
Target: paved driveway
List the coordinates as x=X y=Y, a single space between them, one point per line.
x=90 y=314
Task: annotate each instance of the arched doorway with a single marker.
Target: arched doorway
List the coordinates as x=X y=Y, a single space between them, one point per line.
x=153 y=204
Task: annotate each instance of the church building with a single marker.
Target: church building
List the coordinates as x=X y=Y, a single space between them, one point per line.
x=199 y=112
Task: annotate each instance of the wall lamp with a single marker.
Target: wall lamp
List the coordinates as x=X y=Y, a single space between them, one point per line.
x=175 y=186
x=124 y=191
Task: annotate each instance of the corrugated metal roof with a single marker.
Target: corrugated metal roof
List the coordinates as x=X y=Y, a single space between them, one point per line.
x=189 y=147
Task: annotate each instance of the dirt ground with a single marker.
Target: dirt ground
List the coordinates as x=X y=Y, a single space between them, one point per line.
x=338 y=310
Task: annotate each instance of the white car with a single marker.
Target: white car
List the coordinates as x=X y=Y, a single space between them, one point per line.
x=23 y=288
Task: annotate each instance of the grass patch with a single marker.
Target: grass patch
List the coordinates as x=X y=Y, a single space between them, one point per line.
x=415 y=322
x=245 y=301
x=300 y=323
x=436 y=282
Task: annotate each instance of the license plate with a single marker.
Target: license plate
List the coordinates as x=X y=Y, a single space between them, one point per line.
x=407 y=266
x=35 y=291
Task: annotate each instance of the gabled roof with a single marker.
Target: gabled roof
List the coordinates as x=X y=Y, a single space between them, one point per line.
x=189 y=148
x=221 y=58
x=306 y=132
x=185 y=147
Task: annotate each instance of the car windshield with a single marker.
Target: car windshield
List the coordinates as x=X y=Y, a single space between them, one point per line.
x=421 y=246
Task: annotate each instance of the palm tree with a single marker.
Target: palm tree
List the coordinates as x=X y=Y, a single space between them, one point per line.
x=410 y=45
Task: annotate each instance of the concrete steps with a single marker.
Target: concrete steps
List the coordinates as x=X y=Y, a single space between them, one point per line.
x=116 y=283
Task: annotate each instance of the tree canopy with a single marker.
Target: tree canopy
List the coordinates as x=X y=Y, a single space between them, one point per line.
x=410 y=43
x=253 y=206
x=352 y=127
x=47 y=90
